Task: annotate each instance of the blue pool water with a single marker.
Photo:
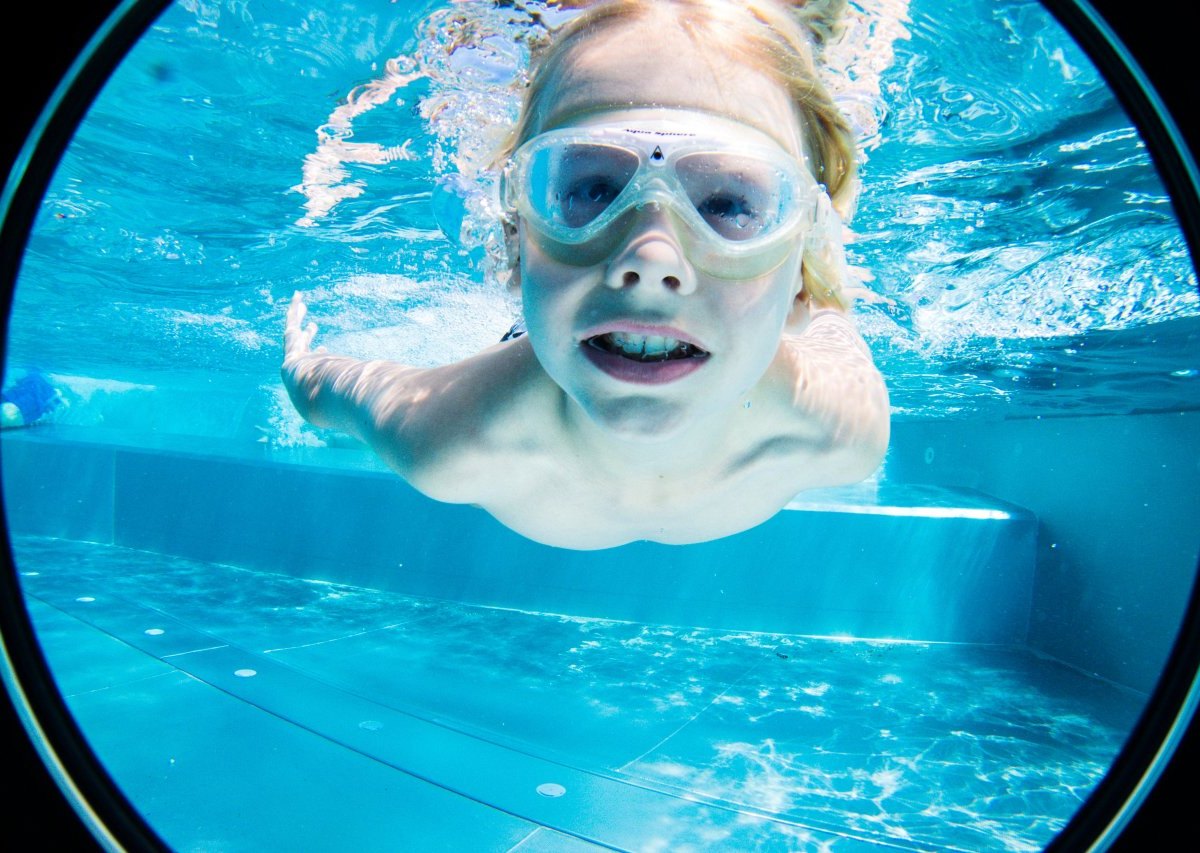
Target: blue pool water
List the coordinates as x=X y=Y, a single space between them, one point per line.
x=695 y=738
x=1008 y=209
x=272 y=642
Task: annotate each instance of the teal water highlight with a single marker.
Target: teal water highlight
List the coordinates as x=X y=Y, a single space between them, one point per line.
x=662 y=737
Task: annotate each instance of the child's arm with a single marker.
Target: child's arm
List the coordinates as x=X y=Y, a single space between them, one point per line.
x=834 y=386
x=331 y=390
x=374 y=401
x=425 y=423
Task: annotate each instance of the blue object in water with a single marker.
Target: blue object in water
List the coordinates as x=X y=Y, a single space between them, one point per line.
x=33 y=397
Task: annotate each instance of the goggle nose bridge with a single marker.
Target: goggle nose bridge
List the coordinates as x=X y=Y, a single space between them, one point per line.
x=655 y=195
x=653 y=181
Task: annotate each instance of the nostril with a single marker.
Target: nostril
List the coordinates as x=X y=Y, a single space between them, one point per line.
x=671 y=282
x=630 y=278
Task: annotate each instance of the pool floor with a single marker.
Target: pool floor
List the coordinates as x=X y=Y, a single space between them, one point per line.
x=241 y=710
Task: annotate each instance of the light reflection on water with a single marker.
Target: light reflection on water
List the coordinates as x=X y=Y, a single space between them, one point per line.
x=952 y=746
x=1009 y=212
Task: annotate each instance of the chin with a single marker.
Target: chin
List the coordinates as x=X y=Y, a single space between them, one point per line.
x=640 y=419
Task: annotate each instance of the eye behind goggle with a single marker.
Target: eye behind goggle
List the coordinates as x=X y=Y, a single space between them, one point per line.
x=741 y=206
x=739 y=198
x=570 y=185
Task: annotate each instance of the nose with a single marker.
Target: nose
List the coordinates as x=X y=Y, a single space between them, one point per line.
x=652 y=256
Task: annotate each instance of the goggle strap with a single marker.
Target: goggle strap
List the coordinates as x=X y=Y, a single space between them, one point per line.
x=824 y=244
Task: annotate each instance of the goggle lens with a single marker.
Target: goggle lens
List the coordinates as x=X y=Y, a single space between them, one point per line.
x=573 y=184
x=738 y=197
x=741 y=199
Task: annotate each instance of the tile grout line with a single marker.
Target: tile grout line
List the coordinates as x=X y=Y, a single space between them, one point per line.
x=624 y=767
x=362 y=633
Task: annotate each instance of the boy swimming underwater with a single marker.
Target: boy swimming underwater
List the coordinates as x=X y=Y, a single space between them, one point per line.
x=689 y=365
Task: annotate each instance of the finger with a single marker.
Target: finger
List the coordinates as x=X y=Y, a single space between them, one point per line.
x=295 y=315
x=298 y=338
x=297 y=302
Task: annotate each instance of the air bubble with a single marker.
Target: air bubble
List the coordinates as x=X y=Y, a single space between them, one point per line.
x=245 y=673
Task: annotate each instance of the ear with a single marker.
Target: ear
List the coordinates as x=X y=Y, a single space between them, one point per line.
x=801 y=310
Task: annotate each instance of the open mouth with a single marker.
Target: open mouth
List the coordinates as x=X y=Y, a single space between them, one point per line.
x=645 y=349
x=644 y=359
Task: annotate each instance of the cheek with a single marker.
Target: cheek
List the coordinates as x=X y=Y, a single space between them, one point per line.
x=541 y=280
x=550 y=304
x=754 y=315
x=772 y=298
x=759 y=308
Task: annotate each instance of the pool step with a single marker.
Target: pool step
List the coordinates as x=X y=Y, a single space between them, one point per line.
x=893 y=561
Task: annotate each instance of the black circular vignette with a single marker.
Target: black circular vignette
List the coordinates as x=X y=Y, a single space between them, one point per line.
x=48 y=39
x=1160 y=47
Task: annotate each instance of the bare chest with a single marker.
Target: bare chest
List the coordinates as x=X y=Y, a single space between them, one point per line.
x=561 y=502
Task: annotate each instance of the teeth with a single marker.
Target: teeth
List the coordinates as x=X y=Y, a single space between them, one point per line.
x=646 y=347
x=643 y=344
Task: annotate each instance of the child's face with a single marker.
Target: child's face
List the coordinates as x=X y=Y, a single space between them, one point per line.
x=587 y=315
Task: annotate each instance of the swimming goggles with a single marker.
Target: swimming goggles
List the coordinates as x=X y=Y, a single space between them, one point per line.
x=741 y=198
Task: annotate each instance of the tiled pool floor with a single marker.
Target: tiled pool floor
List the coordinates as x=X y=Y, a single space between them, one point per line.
x=243 y=710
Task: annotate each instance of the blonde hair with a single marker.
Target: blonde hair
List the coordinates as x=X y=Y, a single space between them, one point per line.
x=779 y=40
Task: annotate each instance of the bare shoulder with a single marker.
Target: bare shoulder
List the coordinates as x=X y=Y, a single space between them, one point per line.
x=473 y=419
x=834 y=387
x=830 y=346
x=830 y=333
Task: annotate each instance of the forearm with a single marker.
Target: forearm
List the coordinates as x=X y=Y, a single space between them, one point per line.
x=340 y=392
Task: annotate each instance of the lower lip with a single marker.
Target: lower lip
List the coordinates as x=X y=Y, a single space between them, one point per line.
x=642 y=372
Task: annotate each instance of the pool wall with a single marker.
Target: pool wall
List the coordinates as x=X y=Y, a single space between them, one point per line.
x=1117 y=500
x=1093 y=571
x=907 y=562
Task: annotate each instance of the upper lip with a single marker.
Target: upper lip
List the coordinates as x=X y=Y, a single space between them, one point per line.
x=635 y=327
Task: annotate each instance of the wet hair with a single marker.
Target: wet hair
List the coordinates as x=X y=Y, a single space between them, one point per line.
x=780 y=40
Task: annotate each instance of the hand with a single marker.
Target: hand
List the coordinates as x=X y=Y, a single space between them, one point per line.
x=299 y=371
x=298 y=338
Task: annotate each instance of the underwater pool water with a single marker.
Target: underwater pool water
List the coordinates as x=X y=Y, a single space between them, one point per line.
x=694 y=738
x=1023 y=254
x=1025 y=265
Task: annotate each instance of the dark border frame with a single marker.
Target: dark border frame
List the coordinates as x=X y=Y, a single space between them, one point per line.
x=56 y=39
x=82 y=49
x=1142 y=796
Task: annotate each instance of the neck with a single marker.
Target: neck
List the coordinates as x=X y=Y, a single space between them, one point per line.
x=632 y=454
